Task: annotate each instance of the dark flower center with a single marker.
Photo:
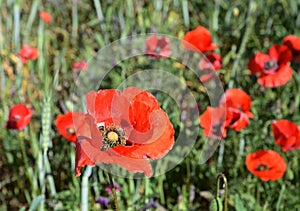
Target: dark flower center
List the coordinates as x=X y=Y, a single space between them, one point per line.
x=112 y=136
x=262 y=167
x=270 y=66
x=70 y=131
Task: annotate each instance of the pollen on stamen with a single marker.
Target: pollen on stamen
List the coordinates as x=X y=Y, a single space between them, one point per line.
x=113 y=136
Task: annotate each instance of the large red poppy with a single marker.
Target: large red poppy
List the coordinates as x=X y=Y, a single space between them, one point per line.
x=28 y=53
x=273 y=69
x=198 y=40
x=266 y=165
x=293 y=43
x=65 y=125
x=233 y=112
x=19 y=117
x=124 y=128
x=286 y=134
x=158 y=47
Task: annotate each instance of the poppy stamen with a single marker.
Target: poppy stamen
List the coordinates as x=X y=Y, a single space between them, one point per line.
x=70 y=131
x=262 y=167
x=270 y=66
x=112 y=136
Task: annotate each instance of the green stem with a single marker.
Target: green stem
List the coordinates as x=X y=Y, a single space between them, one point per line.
x=219 y=177
x=221 y=153
x=116 y=208
x=85 y=188
x=250 y=22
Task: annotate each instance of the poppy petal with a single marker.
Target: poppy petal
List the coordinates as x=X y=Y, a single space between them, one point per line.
x=273 y=165
x=281 y=77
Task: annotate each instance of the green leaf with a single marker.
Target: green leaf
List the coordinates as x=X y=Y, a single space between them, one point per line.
x=36 y=202
x=239 y=206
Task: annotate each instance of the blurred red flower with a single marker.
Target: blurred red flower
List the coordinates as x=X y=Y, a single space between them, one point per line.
x=293 y=43
x=266 y=165
x=238 y=105
x=198 y=40
x=208 y=65
x=286 y=134
x=28 y=53
x=273 y=69
x=213 y=122
x=79 y=66
x=158 y=47
x=19 y=117
x=65 y=125
x=125 y=128
x=45 y=16
x=233 y=112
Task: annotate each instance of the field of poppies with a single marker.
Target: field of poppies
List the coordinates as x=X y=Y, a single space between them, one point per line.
x=149 y=105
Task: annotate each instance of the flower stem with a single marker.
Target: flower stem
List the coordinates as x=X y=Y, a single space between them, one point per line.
x=222 y=176
x=116 y=208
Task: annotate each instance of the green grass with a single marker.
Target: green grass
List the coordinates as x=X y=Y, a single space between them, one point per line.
x=37 y=164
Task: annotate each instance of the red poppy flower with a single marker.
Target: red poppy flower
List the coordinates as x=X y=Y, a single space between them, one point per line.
x=124 y=128
x=293 y=43
x=198 y=40
x=233 y=112
x=238 y=105
x=266 y=165
x=45 y=16
x=28 y=53
x=213 y=122
x=158 y=47
x=79 y=66
x=19 y=117
x=286 y=134
x=65 y=125
x=273 y=69
x=208 y=64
